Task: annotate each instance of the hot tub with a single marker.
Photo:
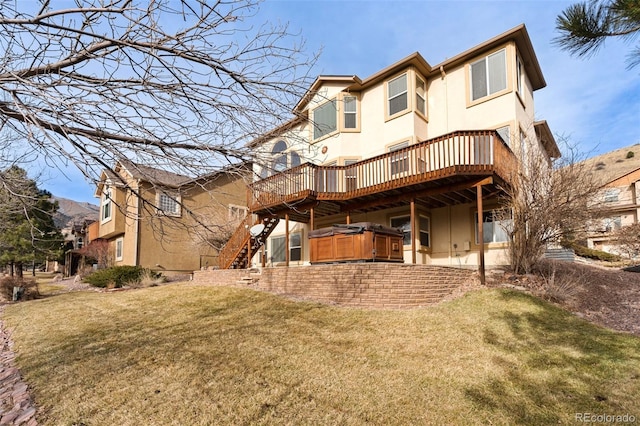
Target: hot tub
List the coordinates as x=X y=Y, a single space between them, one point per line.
x=356 y=242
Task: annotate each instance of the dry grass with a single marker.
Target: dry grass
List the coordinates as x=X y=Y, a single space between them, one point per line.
x=183 y=354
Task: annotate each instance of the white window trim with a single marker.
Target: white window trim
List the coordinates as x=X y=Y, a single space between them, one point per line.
x=344 y=112
x=120 y=243
x=106 y=201
x=235 y=211
x=175 y=197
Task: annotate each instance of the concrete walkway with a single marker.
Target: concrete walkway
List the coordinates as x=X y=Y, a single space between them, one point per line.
x=16 y=405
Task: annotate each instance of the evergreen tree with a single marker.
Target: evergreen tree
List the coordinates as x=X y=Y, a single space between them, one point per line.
x=585 y=26
x=27 y=230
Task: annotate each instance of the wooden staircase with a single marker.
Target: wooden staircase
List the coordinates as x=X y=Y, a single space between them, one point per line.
x=234 y=255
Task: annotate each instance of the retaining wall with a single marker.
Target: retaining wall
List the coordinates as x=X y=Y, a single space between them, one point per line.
x=379 y=285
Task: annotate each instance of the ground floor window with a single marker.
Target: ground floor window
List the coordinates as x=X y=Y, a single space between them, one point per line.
x=495 y=226
x=278 y=248
x=119 y=248
x=404 y=223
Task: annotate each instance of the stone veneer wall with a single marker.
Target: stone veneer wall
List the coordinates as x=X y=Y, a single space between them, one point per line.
x=380 y=285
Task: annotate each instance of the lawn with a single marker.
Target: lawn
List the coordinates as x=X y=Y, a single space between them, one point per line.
x=194 y=355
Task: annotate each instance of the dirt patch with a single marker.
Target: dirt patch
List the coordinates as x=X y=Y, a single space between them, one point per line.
x=606 y=296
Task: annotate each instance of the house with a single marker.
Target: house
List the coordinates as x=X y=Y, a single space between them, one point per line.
x=619 y=198
x=165 y=221
x=428 y=150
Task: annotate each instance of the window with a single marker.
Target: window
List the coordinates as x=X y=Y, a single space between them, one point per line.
x=425 y=229
x=505 y=134
x=612 y=223
x=278 y=248
x=350 y=112
x=119 y=248
x=324 y=119
x=495 y=226
x=168 y=204
x=421 y=96
x=237 y=213
x=520 y=77
x=282 y=159
x=404 y=223
x=351 y=175
x=279 y=156
x=611 y=195
x=106 y=205
x=399 y=161
x=397 y=95
x=523 y=147
x=327 y=178
x=489 y=75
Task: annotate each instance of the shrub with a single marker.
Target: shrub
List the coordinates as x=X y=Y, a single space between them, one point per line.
x=630 y=154
x=583 y=251
x=118 y=276
x=29 y=288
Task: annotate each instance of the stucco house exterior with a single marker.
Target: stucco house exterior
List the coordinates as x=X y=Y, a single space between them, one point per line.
x=416 y=147
x=165 y=221
x=618 y=201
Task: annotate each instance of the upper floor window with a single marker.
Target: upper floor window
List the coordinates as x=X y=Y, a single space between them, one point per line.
x=324 y=119
x=611 y=195
x=399 y=160
x=237 y=213
x=397 y=95
x=168 y=205
x=505 y=134
x=105 y=213
x=489 y=75
x=421 y=96
x=350 y=112
x=519 y=77
x=283 y=159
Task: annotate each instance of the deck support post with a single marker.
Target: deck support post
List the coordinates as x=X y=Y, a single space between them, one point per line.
x=286 y=239
x=480 y=235
x=348 y=217
x=413 y=231
x=312 y=219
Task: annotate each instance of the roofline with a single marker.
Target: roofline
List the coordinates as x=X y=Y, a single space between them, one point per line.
x=300 y=118
x=547 y=139
x=414 y=59
x=318 y=82
x=518 y=34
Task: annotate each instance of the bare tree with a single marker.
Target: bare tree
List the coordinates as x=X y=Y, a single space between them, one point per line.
x=179 y=84
x=549 y=201
x=628 y=240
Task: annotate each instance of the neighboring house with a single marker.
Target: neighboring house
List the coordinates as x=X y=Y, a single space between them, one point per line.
x=417 y=147
x=165 y=221
x=619 y=199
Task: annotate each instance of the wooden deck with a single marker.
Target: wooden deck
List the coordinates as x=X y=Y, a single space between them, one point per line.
x=438 y=171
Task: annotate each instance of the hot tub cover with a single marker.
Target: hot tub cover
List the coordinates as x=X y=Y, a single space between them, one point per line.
x=355 y=228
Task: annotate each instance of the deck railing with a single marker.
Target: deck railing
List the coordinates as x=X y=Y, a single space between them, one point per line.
x=472 y=152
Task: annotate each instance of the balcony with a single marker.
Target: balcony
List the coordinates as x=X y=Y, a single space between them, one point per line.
x=437 y=172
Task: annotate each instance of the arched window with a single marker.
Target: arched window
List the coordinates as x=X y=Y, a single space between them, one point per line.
x=279 y=156
x=282 y=159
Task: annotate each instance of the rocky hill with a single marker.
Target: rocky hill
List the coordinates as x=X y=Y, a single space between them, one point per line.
x=70 y=212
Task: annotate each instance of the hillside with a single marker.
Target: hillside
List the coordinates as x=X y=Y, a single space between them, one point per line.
x=70 y=212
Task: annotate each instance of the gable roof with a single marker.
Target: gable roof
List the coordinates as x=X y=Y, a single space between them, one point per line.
x=614 y=164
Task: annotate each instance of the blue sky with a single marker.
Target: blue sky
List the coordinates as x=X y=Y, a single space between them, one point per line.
x=594 y=102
